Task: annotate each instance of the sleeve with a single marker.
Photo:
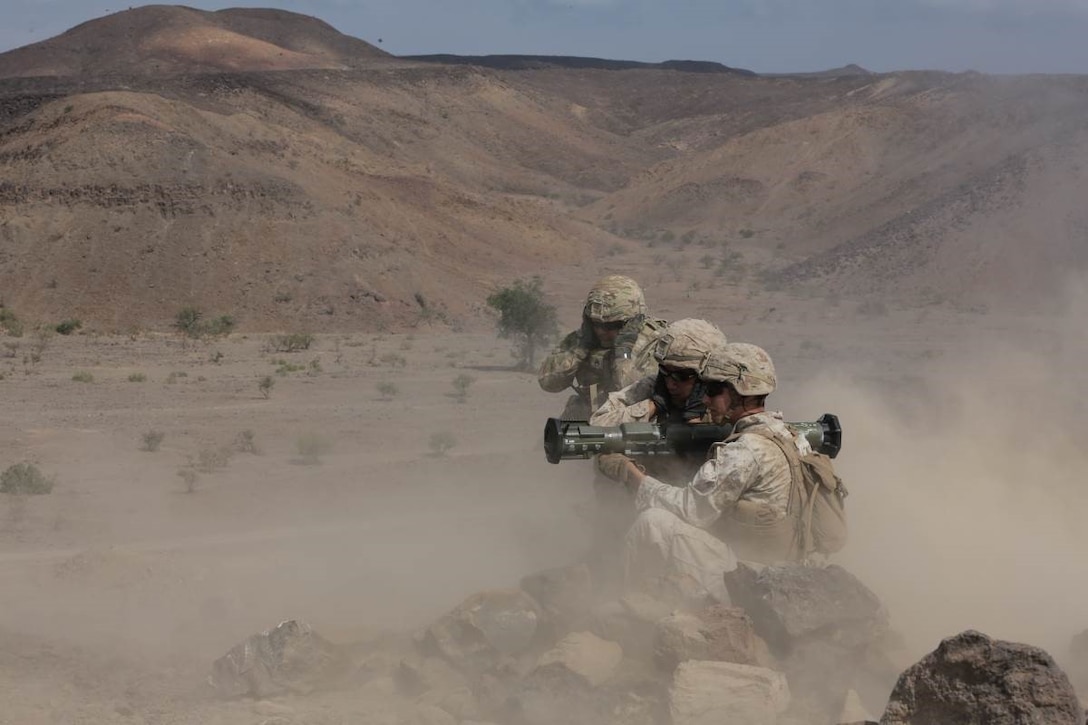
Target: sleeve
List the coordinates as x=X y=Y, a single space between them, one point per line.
x=625 y=406
x=641 y=363
x=559 y=368
x=715 y=489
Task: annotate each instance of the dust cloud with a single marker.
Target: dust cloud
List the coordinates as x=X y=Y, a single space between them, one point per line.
x=967 y=482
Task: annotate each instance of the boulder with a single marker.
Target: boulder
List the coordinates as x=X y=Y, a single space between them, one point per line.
x=290 y=657
x=711 y=693
x=484 y=629
x=718 y=633
x=971 y=679
x=790 y=602
x=584 y=656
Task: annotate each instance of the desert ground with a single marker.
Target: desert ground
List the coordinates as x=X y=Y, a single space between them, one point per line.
x=119 y=588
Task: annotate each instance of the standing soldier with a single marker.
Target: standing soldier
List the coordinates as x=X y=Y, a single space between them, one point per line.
x=610 y=350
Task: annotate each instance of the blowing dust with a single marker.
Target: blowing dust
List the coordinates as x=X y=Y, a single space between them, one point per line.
x=967 y=483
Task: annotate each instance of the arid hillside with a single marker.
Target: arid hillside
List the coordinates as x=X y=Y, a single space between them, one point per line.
x=260 y=164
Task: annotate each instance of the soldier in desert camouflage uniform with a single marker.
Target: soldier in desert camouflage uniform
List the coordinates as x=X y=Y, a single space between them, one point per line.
x=738 y=504
x=607 y=352
x=673 y=395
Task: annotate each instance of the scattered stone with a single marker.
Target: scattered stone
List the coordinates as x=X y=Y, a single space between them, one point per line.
x=483 y=629
x=587 y=657
x=971 y=679
x=630 y=621
x=718 y=633
x=564 y=595
x=711 y=693
x=289 y=658
x=792 y=601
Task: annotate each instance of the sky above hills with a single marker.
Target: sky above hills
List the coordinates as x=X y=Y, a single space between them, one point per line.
x=767 y=36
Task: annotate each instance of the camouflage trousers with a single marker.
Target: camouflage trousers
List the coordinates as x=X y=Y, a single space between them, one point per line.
x=668 y=558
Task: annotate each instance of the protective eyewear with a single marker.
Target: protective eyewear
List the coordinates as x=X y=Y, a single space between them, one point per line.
x=714 y=388
x=678 y=376
x=617 y=325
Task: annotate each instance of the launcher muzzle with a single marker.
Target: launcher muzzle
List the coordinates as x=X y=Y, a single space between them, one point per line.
x=566 y=439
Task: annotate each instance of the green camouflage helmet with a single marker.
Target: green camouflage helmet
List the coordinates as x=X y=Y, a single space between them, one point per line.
x=685 y=344
x=746 y=367
x=614 y=298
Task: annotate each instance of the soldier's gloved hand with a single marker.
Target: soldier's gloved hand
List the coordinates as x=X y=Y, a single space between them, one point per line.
x=628 y=336
x=621 y=469
x=587 y=337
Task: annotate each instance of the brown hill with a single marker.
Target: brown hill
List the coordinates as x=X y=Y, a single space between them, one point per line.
x=397 y=191
x=172 y=39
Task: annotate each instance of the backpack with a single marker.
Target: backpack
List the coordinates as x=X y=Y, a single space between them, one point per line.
x=821 y=494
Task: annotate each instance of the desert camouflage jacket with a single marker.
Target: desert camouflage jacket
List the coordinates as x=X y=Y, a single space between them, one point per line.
x=632 y=405
x=572 y=366
x=749 y=469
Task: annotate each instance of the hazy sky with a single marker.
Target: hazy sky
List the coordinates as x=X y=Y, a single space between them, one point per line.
x=996 y=36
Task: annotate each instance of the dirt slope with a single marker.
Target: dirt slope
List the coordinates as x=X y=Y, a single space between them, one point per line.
x=323 y=184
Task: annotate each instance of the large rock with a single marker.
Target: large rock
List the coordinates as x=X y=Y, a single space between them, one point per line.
x=971 y=679
x=718 y=633
x=584 y=656
x=790 y=602
x=291 y=657
x=484 y=629
x=712 y=693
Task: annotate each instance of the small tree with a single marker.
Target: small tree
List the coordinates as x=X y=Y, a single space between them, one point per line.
x=525 y=317
x=461 y=384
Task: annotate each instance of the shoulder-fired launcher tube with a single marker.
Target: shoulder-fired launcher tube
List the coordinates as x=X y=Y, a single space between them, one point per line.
x=567 y=439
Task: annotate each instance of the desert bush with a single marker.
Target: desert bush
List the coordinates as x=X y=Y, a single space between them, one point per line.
x=189 y=477
x=525 y=316
x=461 y=384
x=151 y=440
x=218 y=326
x=216 y=357
x=190 y=321
x=311 y=446
x=441 y=442
x=246 y=442
x=25 y=478
x=12 y=349
x=137 y=378
x=83 y=377
x=290 y=342
x=9 y=322
x=67 y=327
x=387 y=390
x=208 y=460
x=176 y=375
x=284 y=367
x=187 y=320
x=265 y=385
x=394 y=360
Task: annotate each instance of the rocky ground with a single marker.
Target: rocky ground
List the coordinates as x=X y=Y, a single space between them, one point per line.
x=366 y=498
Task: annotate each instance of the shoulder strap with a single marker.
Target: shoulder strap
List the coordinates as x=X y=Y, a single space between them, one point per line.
x=799 y=493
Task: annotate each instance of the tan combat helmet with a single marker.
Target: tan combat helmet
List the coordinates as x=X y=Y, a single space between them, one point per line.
x=685 y=344
x=614 y=298
x=747 y=368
